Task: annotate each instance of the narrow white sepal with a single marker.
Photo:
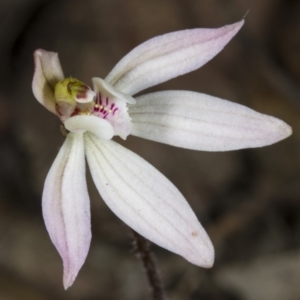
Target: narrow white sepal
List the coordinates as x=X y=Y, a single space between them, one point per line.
x=47 y=73
x=82 y=123
x=202 y=122
x=167 y=56
x=66 y=207
x=147 y=201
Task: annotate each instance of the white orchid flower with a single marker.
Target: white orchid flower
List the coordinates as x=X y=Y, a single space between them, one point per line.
x=134 y=190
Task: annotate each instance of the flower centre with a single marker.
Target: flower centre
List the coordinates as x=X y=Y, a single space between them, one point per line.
x=73 y=98
x=105 y=108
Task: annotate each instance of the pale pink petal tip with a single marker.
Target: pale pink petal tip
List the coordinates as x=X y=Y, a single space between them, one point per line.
x=69 y=278
x=236 y=26
x=73 y=263
x=285 y=130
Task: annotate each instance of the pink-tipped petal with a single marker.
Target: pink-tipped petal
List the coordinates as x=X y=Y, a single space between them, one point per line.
x=66 y=206
x=147 y=201
x=167 y=56
x=47 y=72
x=202 y=122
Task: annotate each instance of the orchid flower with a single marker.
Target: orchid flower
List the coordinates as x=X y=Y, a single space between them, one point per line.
x=133 y=189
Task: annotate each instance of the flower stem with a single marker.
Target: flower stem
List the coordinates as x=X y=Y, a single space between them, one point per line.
x=142 y=248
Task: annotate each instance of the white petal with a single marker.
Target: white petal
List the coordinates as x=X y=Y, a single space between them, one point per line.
x=201 y=122
x=147 y=201
x=66 y=206
x=47 y=73
x=167 y=56
x=82 y=123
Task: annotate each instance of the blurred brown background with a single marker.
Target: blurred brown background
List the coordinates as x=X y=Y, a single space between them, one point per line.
x=247 y=200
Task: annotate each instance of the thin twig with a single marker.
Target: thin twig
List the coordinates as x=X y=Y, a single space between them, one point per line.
x=142 y=248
